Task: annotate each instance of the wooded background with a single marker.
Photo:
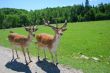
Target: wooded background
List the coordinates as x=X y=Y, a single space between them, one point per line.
x=11 y=17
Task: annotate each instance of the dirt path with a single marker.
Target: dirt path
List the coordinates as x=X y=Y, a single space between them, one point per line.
x=18 y=66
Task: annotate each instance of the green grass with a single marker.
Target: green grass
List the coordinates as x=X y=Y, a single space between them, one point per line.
x=88 y=38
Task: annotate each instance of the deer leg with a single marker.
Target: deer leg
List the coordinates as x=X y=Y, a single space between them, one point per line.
x=38 y=54
x=12 y=54
x=44 y=54
x=24 y=56
x=56 y=58
x=17 y=54
x=52 y=57
x=12 y=51
x=29 y=55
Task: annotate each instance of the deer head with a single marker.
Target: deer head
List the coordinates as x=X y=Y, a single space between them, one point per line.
x=58 y=30
x=31 y=30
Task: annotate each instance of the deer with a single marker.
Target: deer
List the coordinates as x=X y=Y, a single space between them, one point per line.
x=17 y=40
x=50 y=42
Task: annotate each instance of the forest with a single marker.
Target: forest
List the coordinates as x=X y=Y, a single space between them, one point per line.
x=12 y=17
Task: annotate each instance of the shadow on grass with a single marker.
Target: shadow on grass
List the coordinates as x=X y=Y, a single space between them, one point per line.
x=48 y=67
x=17 y=66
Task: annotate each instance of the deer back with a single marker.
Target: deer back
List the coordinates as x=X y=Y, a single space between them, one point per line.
x=44 y=40
x=17 y=39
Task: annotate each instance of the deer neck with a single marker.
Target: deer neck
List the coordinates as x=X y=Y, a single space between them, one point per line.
x=56 y=41
x=30 y=37
x=56 y=37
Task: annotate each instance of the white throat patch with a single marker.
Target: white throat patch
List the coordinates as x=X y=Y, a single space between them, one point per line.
x=56 y=43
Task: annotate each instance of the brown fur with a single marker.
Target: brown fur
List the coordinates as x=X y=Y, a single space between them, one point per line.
x=44 y=40
x=17 y=39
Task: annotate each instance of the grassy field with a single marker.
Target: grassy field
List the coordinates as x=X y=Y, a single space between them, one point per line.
x=91 y=39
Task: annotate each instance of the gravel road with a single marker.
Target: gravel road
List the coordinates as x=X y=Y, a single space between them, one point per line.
x=18 y=66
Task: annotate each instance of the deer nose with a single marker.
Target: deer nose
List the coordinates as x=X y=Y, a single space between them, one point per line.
x=33 y=35
x=61 y=33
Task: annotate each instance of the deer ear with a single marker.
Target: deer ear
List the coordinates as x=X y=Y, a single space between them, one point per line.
x=64 y=29
x=26 y=28
x=35 y=28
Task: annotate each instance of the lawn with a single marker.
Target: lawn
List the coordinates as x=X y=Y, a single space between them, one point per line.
x=90 y=39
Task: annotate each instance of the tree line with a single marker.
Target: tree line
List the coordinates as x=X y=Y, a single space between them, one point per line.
x=11 y=17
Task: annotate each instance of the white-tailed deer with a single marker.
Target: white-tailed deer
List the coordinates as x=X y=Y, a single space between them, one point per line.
x=50 y=41
x=22 y=41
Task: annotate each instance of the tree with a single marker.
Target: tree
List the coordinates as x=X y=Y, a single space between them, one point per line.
x=87 y=3
x=11 y=21
x=2 y=17
x=11 y=17
x=101 y=8
x=24 y=20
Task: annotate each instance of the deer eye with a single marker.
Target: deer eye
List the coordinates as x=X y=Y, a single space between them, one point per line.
x=27 y=29
x=33 y=29
x=36 y=29
x=64 y=29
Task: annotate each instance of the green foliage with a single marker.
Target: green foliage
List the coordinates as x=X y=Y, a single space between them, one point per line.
x=73 y=13
x=87 y=3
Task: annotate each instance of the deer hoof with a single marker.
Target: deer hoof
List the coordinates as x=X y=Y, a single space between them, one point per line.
x=45 y=59
x=27 y=63
x=52 y=63
x=12 y=60
x=57 y=63
x=30 y=61
x=18 y=58
x=38 y=59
